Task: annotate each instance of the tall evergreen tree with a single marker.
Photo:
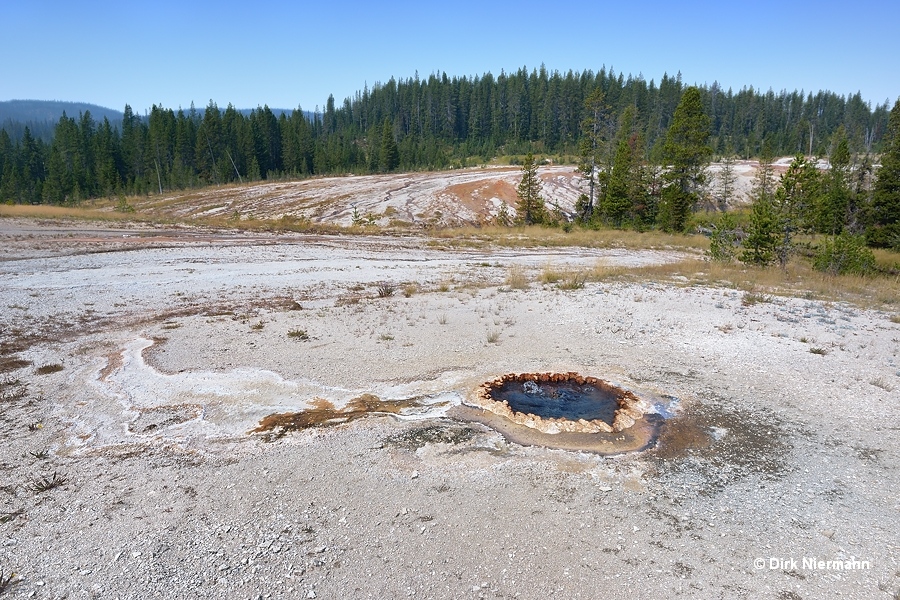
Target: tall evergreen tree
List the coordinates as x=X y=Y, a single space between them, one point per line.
x=726 y=179
x=617 y=202
x=389 y=155
x=687 y=155
x=884 y=230
x=530 y=209
x=793 y=201
x=762 y=234
x=834 y=205
x=594 y=134
x=32 y=170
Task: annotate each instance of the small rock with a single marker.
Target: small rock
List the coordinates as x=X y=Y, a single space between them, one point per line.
x=828 y=533
x=604 y=488
x=310 y=594
x=321 y=549
x=415 y=475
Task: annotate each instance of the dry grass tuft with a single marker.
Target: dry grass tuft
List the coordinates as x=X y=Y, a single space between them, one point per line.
x=385 y=290
x=47 y=369
x=46 y=483
x=752 y=298
x=516 y=279
x=298 y=334
x=522 y=237
x=798 y=280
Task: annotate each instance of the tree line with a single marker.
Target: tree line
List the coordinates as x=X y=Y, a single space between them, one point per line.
x=851 y=201
x=622 y=124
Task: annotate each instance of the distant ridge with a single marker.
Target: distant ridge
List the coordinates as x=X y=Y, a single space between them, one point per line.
x=38 y=111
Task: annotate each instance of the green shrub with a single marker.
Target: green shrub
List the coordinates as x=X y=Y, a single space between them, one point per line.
x=844 y=254
x=722 y=242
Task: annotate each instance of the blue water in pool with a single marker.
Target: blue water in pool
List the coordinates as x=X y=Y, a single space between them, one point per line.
x=566 y=400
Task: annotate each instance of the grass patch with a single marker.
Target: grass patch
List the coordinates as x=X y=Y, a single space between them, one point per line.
x=385 y=290
x=258 y=326
x=550 y=275
x=516 y=279
x=797 y=280
x=47 y=483
x=572 y=281
x=298 y=334
x=819 y=351
x=46 y=211
x=524 y=237
x=752 y=298
x=493 y=336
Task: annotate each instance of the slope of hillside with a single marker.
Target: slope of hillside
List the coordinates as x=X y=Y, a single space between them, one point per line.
x=443 y=198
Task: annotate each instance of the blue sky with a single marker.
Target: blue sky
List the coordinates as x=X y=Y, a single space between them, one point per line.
x=286 y=54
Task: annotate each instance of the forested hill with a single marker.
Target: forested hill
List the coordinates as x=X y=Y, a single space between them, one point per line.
x=42 y=116
x=51 y=110
x=416 y=123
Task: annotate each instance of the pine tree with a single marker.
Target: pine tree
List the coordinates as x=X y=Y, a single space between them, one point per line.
x=32 y=173
x=594 y=130
x=834 y=204
x=687 y=155
x=617 y=201
x=530 y=209
x=726 y=179
x=722 y=240
x=884 y=231
x=763 y=233
x=389 y=155
x=793 y=201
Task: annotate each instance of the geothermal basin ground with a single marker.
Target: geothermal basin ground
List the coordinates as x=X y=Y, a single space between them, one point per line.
x=138 y=366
